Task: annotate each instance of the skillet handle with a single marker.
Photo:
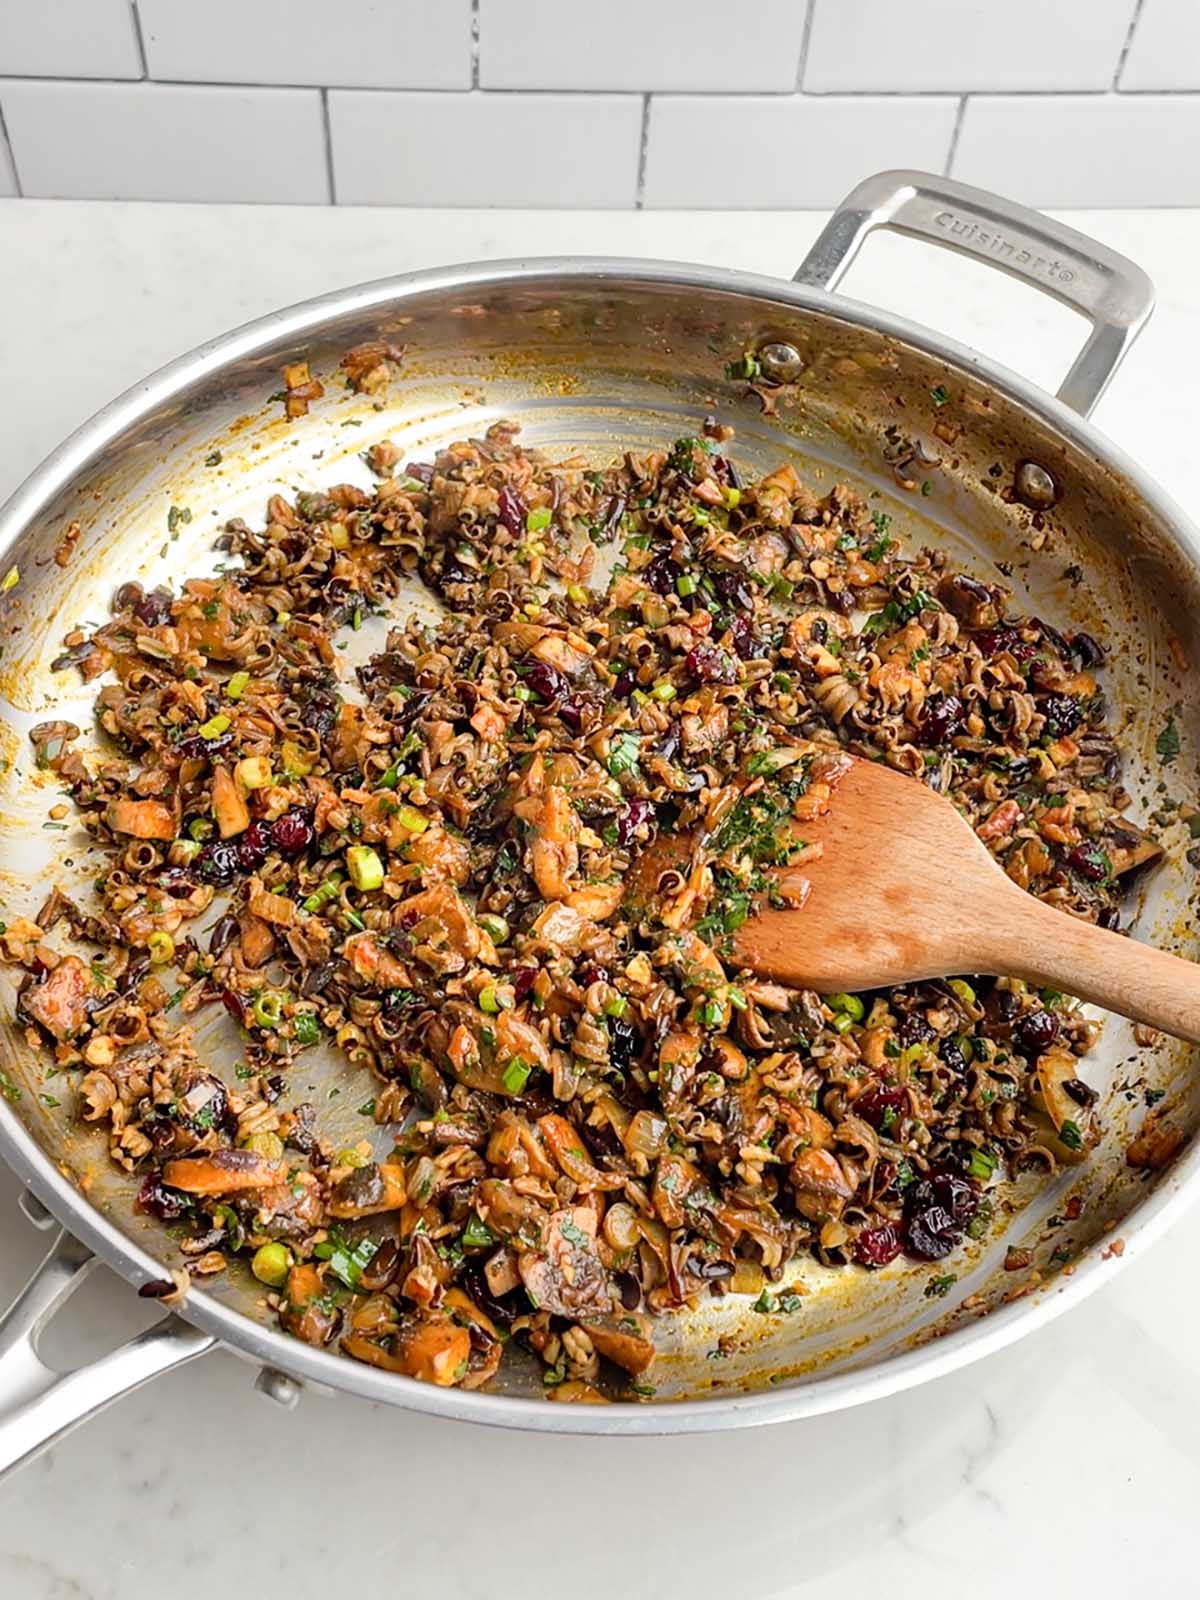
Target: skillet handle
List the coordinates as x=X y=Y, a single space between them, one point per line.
x=39 y=1405
x=1110 y=291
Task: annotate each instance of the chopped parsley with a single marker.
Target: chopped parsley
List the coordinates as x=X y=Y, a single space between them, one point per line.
x=940 y=1286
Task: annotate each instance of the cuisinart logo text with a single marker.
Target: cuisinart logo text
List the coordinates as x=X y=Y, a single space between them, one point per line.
x=995 y=244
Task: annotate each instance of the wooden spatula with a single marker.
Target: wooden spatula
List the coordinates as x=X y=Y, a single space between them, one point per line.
x=902 y=889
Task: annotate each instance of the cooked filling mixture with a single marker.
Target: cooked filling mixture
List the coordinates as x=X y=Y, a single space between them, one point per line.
x=499 y=868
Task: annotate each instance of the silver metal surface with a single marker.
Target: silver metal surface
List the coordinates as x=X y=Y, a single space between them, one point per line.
x=41 y=1405
x=1115 y=295
x=599 y=355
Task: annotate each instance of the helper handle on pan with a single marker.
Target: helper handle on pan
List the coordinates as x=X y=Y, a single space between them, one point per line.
x=1115 y=295
x=39 y=1405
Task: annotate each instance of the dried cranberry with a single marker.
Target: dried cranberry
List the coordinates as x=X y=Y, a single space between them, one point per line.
x=1086 y=651
x=1090 y=862
x=319 y=712
x=511 y=510
x=523 y=979
x=153 y=610
x=594 y=973
x=874 y=1105
x=168 y=1205
x=625 y=685
x=218 y=862
x=253 y=845
x=634 y=814
x=936 y=1213
x=875 y=1247
x=660 y=575
x=913 y=1029
x=707 y=663
x=941 y=718
x=194 y=748
x=235 y=1005
x=994 y=641
x=292 y=833
x=1034 y=1032
x=733 y=588
x=547 y=682
x=744 y=639
x=1063 y=714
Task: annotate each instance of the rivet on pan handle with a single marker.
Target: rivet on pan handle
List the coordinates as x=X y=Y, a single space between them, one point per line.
x=1115 y=295
x=39 y=1405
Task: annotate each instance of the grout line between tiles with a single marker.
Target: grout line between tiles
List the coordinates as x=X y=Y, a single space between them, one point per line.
x=639 y=203
x=330 y=178
x=139 y=37
x=1133 y=22
x=955 y=135
x=474 y=44
x=811 y=97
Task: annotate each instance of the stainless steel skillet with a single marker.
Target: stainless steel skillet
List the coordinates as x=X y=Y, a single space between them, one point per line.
x=607 y=355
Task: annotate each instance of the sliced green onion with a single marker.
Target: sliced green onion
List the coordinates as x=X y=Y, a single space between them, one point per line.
x=981 y=1165
x=539 y=519
x=214 y=727
x=577 y=594
x=161 y=947
x=496 y=928
x=237 y=685
x=732 y=497
x=664 y=691
x=850 y=1004
x=322 y=894
x=364 y=866
x=516 y=1075
x=489 y=1000
x=524 y=694
x=305 y=1028
x=200 y=828
x=411 y=820
x=616 y=1007
x=685 y=585
x=963 y=990
x=843 y=1022
x=1070 y=1135
x=268 y=1009
x=391 y=777
x=477 y=1235
x=355 y=921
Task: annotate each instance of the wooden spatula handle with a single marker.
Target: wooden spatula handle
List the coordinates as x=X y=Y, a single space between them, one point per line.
x=1049 y=947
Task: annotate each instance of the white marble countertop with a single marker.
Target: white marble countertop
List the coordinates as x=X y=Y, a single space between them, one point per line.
x=1068 y=1464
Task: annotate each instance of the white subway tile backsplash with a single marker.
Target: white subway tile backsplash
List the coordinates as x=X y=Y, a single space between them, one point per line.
x=632 y=45
x=1084 y=150
x=68 y=39
x=388 y=44
x=763 y=152
x=961 y=45
x=157 y=142
x=485 y=150
x=1164 y=52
